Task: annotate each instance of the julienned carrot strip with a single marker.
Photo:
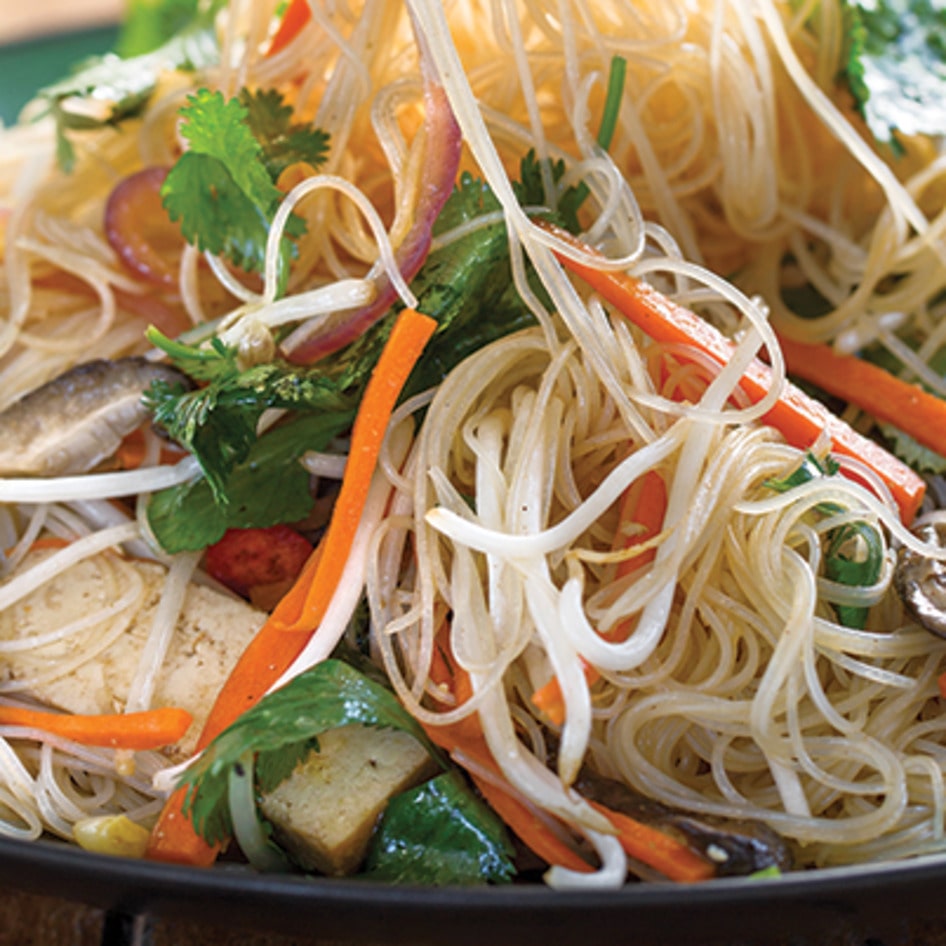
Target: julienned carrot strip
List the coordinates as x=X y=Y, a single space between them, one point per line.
x=412 y=330
x=296 y=16
x=48 y=542
x=656 y=849
x=148 y=729
x=465 y=739
x=801 y=419
x=287 y=630
x=641 y=517
x=520 y=819
x=131 y=452
x=868 y=386
x=643 y=508
x=267 y=657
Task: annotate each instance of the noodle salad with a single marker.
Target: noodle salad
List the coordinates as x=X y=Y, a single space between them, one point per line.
x=457 y=442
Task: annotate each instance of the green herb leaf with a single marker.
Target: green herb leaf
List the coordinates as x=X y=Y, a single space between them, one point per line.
x=439 y=833
x=106 y=90
x=854 y=554
x=284 y=142
x=222 y=190
x=912 y=452
x=270 y=487
x=896 y=65
x=219 y=190
x=530 y=189
x=855 y=557
x=811 y=467
x=282 y=728
x=218 y=422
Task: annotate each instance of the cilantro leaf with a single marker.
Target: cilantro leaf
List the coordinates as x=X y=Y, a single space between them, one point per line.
x=270 y=487
x=854 y=554
x=439 y=833
x=530 y=189
x=896 y=65
x=281 y=729
x=912 y=452
x=220 y=128
x=106 y=90
x=215 y=215
x=222 y=191
x=218 y=422
x=284 y=142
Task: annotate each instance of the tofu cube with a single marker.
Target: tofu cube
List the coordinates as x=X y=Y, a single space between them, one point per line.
x=325 y=812
x=91 y=670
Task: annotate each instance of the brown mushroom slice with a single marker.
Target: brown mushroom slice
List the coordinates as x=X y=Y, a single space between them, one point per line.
x=74 y=422
x=735 y=847
x=920 y=579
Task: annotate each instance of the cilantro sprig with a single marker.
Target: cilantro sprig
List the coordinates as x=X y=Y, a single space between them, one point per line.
x=222 y=190
x=530 y=190
x=218 y=422
x=854 y=553
x=107 y=90
x=895 y=66
x=268 y=488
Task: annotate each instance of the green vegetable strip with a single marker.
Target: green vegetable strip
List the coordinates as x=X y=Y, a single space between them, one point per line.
x=854 y=554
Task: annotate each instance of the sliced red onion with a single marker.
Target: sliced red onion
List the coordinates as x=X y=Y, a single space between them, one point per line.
x=441 y=161
x=134 y=218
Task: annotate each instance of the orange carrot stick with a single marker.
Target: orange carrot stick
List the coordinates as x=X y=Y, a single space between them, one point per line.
x=643 y=508
x=466 y=739
x=871 y=388
x=294 y=19
x=148 y=729
x=641 y=518
x=306 y=603
x=656 y=849
x=288 y=629
x=801 y=419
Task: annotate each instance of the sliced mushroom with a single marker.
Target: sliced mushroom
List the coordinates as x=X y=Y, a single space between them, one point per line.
x=921 y=579
x=734 y=847
x=77 y=420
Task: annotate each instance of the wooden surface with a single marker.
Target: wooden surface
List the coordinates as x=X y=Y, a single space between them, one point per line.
x=29 y=920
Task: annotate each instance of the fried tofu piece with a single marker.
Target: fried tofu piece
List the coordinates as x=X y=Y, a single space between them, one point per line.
x=325 y=812
x=102 y=658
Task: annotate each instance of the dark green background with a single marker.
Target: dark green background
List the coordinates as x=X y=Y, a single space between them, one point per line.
x=26 y=67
